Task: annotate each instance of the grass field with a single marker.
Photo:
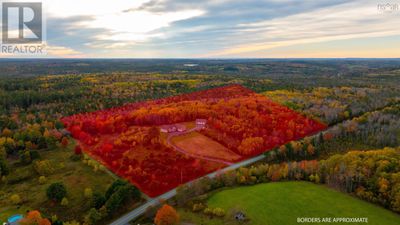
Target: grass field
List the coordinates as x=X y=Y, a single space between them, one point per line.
x=74 y=174
x=196 y=143
x=282 y=203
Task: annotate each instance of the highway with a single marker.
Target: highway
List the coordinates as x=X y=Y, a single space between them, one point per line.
x=124 y=220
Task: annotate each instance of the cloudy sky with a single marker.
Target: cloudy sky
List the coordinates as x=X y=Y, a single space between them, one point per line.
x=222 y=28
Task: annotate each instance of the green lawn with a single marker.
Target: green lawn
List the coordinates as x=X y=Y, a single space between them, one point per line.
x=282 y=203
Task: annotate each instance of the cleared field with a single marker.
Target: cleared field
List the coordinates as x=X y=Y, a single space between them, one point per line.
x=198 y=144
x=74 y=174
x=283 y=202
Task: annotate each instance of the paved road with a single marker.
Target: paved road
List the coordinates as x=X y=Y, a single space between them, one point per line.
x=181 y=150
x=124 y=220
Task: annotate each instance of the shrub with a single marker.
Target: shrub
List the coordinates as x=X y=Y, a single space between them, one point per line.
x=34 y=217
x=15 y=199
x=198 y=207
x=43 y=167
x=56 y=191
x=208 y=211
x=64 y=201
x=93 y=216
x=88 y=193
x=42 y=180
x=25 y=157
x=219 y=212
x=166 y=215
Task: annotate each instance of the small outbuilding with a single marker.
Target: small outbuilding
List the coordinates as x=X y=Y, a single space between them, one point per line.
x=201 y=122
x=180 y=127
x=173 y=128
x=168 y=128
x=240 y=216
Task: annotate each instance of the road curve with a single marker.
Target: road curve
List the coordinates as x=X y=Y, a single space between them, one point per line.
x=125 y=219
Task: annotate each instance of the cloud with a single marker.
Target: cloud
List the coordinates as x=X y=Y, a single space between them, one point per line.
x=120 y=23
x=210 y=28
x=358 y=19
x=64 y=52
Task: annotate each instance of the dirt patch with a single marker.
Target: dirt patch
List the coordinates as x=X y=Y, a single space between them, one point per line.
x=197 y=144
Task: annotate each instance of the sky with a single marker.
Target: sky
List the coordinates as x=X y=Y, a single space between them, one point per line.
x=222 y=28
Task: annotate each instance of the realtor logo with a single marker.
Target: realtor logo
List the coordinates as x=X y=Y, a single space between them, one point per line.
x=22 y=22
x=23 y=29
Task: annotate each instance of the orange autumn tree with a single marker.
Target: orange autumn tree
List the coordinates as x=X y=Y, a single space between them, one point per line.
x=34 y=218
x=167 y=215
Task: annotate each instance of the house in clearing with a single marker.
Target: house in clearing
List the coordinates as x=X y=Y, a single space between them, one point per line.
x=181 y=127
x=173 y=128
x=167 y=128
x=201 y=123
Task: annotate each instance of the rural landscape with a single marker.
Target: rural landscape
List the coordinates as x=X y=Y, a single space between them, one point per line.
x=206 y=141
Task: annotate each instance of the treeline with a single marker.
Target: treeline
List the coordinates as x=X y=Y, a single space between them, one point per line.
x=26 y=136
x=333 y=105
x=370 y=175
x=372 y=130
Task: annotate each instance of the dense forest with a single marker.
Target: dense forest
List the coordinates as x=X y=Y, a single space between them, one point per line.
x=358 y=99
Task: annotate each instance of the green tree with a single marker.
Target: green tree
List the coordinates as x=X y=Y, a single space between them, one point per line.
x=98 y=200
x=93 y=216
x=114 y=186
x=56 y=191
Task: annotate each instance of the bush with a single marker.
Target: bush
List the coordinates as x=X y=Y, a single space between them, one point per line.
x=88 y=193
x=64 y=201
x=25 y=157
x=15 y=199
x=198 y=207
x=56 y=191
x=44 y=167
x=167 y=215
x=219 y=212
x=42 y=180
x=93 y=216
x=208 y=211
